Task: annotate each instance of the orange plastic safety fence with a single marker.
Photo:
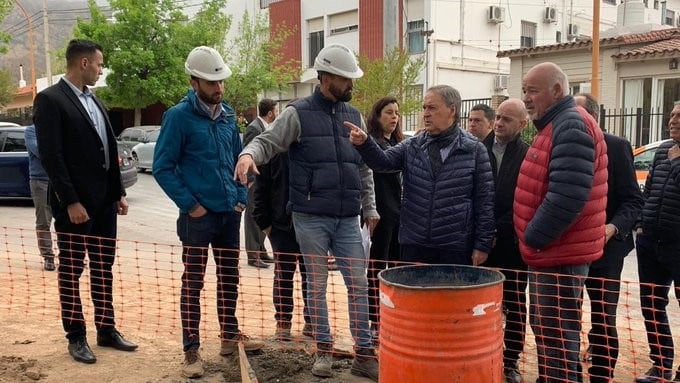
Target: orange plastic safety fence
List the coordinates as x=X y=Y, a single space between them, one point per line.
x=147 y=281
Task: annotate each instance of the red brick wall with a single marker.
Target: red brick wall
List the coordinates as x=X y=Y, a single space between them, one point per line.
x=287 y=12
x=371 y=28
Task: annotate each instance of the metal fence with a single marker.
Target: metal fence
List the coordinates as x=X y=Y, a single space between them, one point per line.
x=639 y=125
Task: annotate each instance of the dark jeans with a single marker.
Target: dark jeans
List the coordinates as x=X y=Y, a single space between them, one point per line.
x=288 y=257
x=603 y=285
x=433 y=255
x=507 y=258
x=97 y=238
x=555 y=316
x=253 y=235
x=384 y=253
x=658 y=267
x=221 y=230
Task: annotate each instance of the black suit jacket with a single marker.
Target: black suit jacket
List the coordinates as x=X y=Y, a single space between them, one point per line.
x=253 y=130
x=72 y=152
x=624 y=199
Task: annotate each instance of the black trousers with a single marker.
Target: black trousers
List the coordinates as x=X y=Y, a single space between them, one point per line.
x=97 y=239
x=384 y=253
x=506 y=257
x=287 y=258
x=658 y=267
x=221 y=230
x=603 y=285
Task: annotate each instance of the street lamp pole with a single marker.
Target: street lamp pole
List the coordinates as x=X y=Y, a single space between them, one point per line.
x=31 y=46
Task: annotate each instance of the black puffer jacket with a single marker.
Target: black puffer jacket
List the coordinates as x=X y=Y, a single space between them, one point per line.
x=661 y=211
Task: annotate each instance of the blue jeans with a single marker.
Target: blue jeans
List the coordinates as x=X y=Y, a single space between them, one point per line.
x=221 y=230
x=555 y=316
x=317 y=235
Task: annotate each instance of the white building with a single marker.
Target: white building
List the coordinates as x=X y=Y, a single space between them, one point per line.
x=459 y=39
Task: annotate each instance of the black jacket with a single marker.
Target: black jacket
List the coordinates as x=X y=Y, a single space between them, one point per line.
x=387 y=189
x=253 y=130
x=624 y=199
x=662 y=197
x=72 y=152
x=270 y=195
x=505 y=181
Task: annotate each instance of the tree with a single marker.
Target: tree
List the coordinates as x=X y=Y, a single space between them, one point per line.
x=394 y=75
x=146 y=45
x=5 y=38
x=7 y=87
x=255 y=61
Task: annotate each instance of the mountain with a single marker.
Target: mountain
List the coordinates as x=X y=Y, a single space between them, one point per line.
x=61 y=16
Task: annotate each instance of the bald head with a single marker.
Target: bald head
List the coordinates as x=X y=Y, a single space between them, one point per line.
x=589 y=103
x=543 y=86
x=511 y=118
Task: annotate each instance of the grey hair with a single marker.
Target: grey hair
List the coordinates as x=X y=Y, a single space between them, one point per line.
x=451 y=98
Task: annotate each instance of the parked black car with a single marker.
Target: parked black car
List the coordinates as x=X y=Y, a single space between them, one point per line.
x=14 y=174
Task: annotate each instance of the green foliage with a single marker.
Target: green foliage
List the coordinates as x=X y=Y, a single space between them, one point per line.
x=254 y=59
x=529 y=132
x=5 y=38
x=146 y=45
x=7 y=87
x=395 y=75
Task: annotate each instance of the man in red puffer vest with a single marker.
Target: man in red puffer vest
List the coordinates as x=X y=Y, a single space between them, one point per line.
x=559 y=216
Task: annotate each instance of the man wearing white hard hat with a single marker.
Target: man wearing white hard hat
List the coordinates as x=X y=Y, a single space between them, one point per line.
x=329 y=187
x=194 y=159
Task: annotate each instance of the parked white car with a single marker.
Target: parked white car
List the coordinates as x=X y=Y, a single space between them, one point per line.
x=143 y=152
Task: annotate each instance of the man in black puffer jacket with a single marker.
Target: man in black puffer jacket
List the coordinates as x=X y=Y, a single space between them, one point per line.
x=658 y=251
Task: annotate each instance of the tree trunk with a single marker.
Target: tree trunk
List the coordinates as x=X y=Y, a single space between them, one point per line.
x=138 y=116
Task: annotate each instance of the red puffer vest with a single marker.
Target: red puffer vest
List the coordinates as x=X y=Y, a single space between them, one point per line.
x=567 y=242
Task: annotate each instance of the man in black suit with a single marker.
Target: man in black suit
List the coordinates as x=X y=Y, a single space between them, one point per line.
x=506 y=152
x=79 y=153
x=624 y=202
x=257 y=253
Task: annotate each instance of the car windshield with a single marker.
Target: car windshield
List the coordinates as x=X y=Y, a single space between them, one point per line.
x=153 y=136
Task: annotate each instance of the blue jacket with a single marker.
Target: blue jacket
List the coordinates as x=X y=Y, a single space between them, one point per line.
x=455 y=210
x=195 y=156
x=35 y=169
x=324 y=167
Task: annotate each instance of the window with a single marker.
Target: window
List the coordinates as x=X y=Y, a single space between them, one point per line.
x=558 y=37
x=316 y=37
x=265 y=3
x=416 y=40
x=528 y=36
x=343 y=22
x=612 y=2
x=656 y=4
x=670 y=18
x=14 y=142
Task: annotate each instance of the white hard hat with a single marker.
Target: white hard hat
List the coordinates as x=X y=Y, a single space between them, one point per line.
x=206 y=63
x=339 y=60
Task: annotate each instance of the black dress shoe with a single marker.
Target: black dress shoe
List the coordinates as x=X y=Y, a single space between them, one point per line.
x=267 y=258
x=115 y=340
x=49 y=263
x=258 y=263
x=81 y=352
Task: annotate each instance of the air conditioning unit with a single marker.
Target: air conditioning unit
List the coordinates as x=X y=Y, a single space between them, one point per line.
x=572 y=31
x=496 y=14
x=550 y=15
x=500 y=82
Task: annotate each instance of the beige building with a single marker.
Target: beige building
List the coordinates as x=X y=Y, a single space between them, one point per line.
x=639 y=76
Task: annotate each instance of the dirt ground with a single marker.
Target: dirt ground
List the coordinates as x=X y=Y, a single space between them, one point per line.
x=146 y=296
